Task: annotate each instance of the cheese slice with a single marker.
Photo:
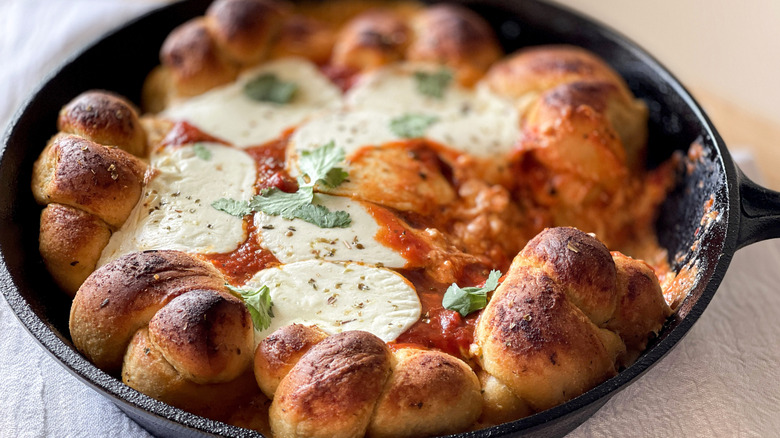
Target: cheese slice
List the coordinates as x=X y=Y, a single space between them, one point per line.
x=227 y=113
x=489 y=128
x=175 y=210
x=294 y=240
x=477 y=122
x=349 y=130
x=393 y=90
x=338 y=297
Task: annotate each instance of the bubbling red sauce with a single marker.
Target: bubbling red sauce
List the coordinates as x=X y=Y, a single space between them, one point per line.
x=269 y=159
x=439 y=328
x=248 y=259
x=182 y=133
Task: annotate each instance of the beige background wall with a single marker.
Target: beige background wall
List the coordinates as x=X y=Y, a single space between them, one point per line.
x=728 y=47
x=726 y=52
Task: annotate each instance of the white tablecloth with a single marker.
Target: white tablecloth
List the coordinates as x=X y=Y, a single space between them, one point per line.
x=723 y=380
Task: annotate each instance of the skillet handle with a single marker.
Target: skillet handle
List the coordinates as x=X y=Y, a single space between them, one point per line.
x=760 y=210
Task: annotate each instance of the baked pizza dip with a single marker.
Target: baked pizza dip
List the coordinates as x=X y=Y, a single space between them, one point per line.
x=346 y=218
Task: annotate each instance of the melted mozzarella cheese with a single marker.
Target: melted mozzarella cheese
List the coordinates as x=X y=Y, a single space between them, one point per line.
x=477 y=122
x=227 y=113
x=175 y=210
x=294 y=240
x=338 y=297
x=490 y=128
x=349 y=130
x=393 y=90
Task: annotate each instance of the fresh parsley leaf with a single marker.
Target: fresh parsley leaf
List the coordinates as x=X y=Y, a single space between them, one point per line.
x=412 y=125
x=322 y=217
x=433 y=84
x=321 y=165
x=278 y=203
x=269 y=88
x=299 y=205
x=201 y=151
x=232 y=207
x=465 y=300
x=258 y=303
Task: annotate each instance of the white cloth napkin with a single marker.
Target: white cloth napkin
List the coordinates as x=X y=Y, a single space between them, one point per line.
x=723 y=379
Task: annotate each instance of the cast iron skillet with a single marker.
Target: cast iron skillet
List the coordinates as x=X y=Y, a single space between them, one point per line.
x=119 y=62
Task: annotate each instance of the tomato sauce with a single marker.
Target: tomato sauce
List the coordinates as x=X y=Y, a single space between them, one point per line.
x=438 y=327
x=247 y=260
x=342 y=77
x=183 y=133
x=269 y=159
x=395 y=235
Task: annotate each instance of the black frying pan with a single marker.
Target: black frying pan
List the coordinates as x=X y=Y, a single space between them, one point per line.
x=748 y=213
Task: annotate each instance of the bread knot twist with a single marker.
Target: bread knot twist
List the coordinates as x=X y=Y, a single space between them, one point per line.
x=352 y=385
x=89 y=178
x=566 y=317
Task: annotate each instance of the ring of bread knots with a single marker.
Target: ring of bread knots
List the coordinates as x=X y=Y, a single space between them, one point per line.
x=89 y=178
x=566 y=316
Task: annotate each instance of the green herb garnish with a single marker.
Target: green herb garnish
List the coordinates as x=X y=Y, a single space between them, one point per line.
x=232 y=207
x=412 y=125
x=258 y=302
x=433 y=84
x=269 y=88
x=465 y=300
x=320 y=165
x=201 y=151
x=317 y=167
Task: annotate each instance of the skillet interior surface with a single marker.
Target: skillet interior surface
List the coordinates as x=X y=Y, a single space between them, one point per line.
x=675 y=122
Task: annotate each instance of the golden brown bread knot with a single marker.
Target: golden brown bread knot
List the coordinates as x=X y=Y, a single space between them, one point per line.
x=572 y=85
x=167 y=321
x=193 y=60
x=547 y=333
x=90 y=188
x=457 y=37
x=236 y=401
x=450 y=35
x=280 y=351
x=136 y=290
x=210 y=50
x=372 y=39
x=534 y=70
x=351 y=385
x=301 y=36
x=71 y=241
x=243 y=29
x=641 y=308
x=581 y=152
x=102 y=181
